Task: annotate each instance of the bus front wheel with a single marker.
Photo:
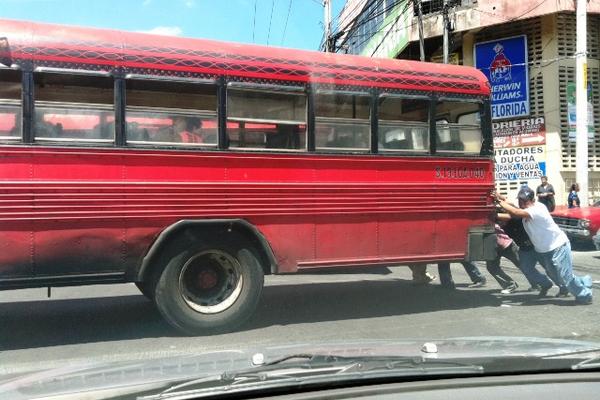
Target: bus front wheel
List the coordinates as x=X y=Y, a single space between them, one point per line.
x=210 y=288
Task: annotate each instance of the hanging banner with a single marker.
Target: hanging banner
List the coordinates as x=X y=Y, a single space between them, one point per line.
x=520 y=163
x=572 y=111
x=519 y=132
x=504 y=63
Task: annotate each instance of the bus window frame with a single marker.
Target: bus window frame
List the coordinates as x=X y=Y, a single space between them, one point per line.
x=273 y=89
x=15 y=102
x=450 y=153
x=173 y=111
x=222 y=84
x=30 y=138
x=407 y=152
x=371 y=148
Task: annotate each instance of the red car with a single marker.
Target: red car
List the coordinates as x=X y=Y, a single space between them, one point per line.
x=580 y=224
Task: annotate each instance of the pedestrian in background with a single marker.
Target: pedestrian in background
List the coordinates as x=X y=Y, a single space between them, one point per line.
x=551 y=242
x=545 y=194
x=573 y=199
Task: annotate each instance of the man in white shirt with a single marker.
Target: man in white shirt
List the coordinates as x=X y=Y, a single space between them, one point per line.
x=551 y=242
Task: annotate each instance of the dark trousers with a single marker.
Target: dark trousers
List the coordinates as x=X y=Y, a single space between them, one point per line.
x=493 y=267
x=470 y=268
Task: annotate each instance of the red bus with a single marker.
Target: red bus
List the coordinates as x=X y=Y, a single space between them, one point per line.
x=194 y=167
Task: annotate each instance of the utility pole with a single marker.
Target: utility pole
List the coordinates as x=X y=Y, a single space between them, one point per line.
x=581 y=103
x=446 y=22
x=420 y=21
x=327 y=23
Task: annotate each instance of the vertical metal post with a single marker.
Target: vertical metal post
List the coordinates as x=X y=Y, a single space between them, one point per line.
x=28 y=106
x=310 y=118
x=120 y=105
x=581 y=103
x=374 y=121
x=222 y=141
x=420 y=22
x=446 y=23
x=327 y=23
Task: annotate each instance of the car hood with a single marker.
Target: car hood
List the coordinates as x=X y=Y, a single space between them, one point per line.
x=108 y=380
x=591 y=213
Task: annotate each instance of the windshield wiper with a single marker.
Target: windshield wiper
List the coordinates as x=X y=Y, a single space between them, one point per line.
x=313 y=369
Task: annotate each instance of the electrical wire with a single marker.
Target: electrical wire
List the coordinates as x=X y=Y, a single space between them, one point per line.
x=286 y=21
x=270 y=19
x=254 y=21
x=369 y=17
x=368 y=36
x=341 y=31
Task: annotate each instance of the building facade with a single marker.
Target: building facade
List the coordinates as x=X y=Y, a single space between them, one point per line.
x=546 y=30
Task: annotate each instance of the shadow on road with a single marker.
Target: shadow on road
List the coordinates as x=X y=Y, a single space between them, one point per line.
x=34 y=324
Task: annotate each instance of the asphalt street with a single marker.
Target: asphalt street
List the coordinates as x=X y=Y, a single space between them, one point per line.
x=115 y=322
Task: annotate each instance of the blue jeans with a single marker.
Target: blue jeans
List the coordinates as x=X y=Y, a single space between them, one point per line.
x=560 y=262
x=528 y=259
x=446 y=275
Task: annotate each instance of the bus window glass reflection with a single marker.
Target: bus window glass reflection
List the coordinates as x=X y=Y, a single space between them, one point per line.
x=171 y=113
x=458 y=126
x=266 y=120
x=342 y=122
x=403 y=124
x=73 y=108
x=10 y=104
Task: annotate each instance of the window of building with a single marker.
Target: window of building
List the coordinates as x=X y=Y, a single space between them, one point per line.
x=403 y=124
x=73 y=108
x=173 y=113
x=458 y=127
x=10 y=104
x=342 y=122
x=266 y=119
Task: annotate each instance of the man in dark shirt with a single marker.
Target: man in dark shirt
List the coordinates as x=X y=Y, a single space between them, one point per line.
x=545 y=194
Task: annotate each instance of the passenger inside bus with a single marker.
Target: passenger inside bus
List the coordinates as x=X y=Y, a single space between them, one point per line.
x=284 y=137
x=187 y=129
x=450 y=141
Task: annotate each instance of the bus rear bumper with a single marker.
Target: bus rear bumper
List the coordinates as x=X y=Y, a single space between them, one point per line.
x=481 y=244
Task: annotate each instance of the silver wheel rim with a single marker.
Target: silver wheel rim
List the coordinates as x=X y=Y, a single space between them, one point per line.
x=211 y=281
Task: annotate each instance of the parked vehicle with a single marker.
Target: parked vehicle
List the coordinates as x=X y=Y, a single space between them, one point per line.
x=580 y=224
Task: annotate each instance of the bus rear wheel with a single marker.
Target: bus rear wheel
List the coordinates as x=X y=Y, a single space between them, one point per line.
x=210 y=288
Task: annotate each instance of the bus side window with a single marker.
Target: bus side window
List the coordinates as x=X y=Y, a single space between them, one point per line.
x=171 y=113
x=403 y=124
x=266 y=120
x=342 y=122
x=10 y=104
x=73 y=108
x=458 y=126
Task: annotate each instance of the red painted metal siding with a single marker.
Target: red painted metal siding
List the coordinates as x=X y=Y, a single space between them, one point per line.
x=91 y=210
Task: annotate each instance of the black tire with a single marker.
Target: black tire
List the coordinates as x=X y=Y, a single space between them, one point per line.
x=210 y=288
x=145 y=289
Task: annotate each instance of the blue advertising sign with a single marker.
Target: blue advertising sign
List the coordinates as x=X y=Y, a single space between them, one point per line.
x=504 y=62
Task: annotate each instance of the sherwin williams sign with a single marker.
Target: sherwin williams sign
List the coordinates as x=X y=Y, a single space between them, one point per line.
x=504 y=62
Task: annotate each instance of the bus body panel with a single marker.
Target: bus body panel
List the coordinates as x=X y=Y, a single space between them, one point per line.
x=87 y=211
x=59 y=46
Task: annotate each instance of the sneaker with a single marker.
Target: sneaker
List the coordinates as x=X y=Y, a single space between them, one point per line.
x=448 y=286
x=425 y=279
x=563 y=292
x=584 y=300
x=510 y=289
x=534 y=288
x=477 y=284
x=544 y=291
